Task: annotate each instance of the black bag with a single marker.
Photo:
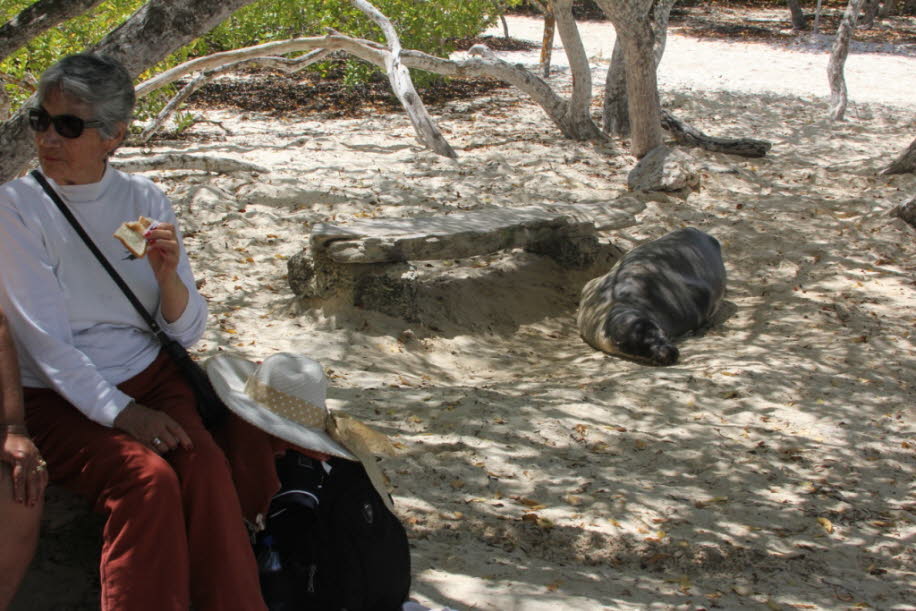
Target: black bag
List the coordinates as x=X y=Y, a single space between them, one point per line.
x=212 y=410
x=330 y=543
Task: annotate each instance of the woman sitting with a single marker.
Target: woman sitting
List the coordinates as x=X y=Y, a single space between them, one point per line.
x=111 y=413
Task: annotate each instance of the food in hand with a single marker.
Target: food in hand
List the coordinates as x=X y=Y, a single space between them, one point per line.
x=132 y=235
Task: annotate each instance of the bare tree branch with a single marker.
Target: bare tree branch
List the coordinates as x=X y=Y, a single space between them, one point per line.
x=37 y=18
x=283 y=64
x=399 y=76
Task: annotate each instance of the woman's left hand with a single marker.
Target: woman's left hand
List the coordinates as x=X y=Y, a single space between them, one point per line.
x=29 y=471
x=163 y=252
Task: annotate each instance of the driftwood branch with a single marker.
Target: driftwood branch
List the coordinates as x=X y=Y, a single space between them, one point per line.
x=183 y=161
x=428 y=132
x=283 y=64
x=689 y=136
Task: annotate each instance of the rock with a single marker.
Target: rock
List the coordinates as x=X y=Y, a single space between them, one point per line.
x=664 y=169
x=907 y=212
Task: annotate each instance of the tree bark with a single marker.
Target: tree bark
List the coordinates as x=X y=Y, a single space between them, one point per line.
x=158 y=28
x=799 y=20
x=550 y=23
x=887 y=9
x=904 y=164
x=615 y=116
x=869 y=12
x=632 y=23
x=578 y=112
x=817 y=17
x=838 y=97
x=37 y=18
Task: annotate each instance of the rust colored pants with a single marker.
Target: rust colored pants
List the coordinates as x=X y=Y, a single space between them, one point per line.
x=174 y=533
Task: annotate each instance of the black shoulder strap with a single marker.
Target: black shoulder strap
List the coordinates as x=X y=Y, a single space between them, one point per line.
x=98 y=255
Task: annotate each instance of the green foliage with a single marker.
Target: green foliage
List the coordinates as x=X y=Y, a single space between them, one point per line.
x=427 y=25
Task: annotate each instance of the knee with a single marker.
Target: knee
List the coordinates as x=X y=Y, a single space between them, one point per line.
x=153 y=481
x=21 y=522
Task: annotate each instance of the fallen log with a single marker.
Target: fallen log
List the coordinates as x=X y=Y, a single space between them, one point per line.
x=689 y=136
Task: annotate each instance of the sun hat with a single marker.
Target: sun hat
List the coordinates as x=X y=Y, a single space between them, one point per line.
x=285 y=396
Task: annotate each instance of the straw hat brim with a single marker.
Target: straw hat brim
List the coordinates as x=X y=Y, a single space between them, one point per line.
x=229 y=374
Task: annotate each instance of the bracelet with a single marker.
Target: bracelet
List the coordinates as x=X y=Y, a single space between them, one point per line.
x=15 y=429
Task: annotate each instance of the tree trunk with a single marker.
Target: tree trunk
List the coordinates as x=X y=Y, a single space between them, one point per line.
x=157 y=29
x=37 y=18
x=550 y=22
x=904 y=164
x=869 y=12
x=838 y=98
x=817 y=17
x=578 y=112
x=615 y=117
x=888 y=9
x=631 y=21
x=799 y=21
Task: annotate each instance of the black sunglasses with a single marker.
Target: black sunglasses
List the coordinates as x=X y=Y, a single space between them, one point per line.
x=68 y=126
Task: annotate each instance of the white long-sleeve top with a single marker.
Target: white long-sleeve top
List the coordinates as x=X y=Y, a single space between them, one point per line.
x=75 y=331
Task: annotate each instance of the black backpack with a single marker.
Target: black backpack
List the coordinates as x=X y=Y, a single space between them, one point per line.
x=330 y=543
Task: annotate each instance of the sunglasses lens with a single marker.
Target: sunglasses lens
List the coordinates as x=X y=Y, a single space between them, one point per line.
x=68 y=126
x=39 y=120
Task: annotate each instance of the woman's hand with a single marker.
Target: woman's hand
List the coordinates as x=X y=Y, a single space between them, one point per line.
x=163 y=252
x=30 y=474
x=154 y=429
x=163 y=255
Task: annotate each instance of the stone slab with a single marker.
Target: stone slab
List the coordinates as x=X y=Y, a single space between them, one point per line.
x=458 y=235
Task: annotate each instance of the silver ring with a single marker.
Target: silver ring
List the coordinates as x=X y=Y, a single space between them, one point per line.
x=157 y=441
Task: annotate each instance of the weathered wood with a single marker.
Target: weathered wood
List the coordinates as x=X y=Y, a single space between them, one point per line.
x=689 y=136
x=282 y=64
x=183 y=161
x=428 y=132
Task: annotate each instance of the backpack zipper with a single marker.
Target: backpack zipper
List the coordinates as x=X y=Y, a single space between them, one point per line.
x=313 y=569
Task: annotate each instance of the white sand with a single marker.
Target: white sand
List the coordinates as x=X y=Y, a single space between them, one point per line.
x=771 y=468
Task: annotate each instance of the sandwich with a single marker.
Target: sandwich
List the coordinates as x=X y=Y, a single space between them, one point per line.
x=132 y=235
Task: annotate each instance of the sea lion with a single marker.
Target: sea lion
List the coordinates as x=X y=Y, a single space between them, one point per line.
x=654 y=294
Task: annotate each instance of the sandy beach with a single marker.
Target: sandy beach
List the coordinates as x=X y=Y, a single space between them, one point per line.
x=771 y=468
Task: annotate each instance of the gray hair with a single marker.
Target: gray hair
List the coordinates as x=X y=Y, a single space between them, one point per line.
x=99 y=81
